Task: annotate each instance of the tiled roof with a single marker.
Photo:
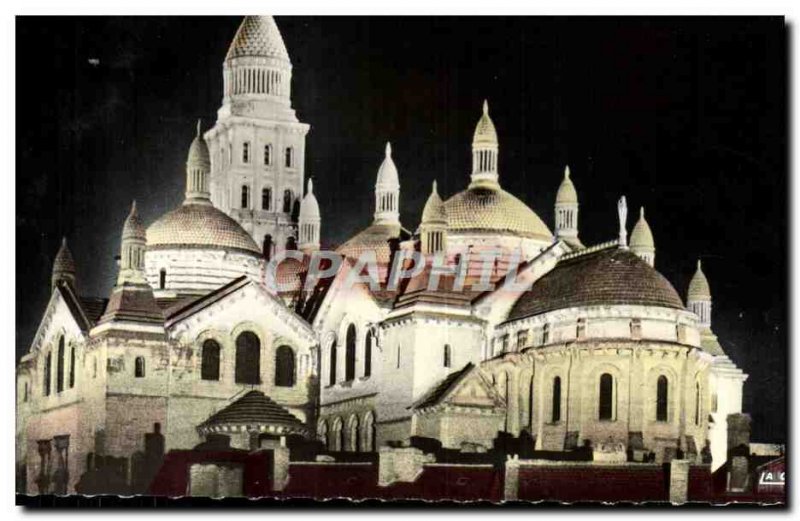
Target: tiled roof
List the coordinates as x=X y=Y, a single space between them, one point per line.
x=375 y=237
x=481 y=208
x=606 y=277
x=93 y=307
x=199 y=225
x=133 y=303
x=437 y=393
x=258 y=36
x=254 y=409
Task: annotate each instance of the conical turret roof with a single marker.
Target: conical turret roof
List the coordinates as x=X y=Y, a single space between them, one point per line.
x=434 y=211
x=566 y=191
x=485 y=133
x=387 y=173
x=133 y=227
x=309 y=206
x=642 y=235
x=698 y=287
x=64 y=263
x=258 y=36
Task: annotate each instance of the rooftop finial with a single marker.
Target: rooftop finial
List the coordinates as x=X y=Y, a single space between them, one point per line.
x=64 y=241
x=133 y=207
x=434 y=186
x=310 y=186
x=566 y=172
x=388 y=149
x=199 y=124
x=641 y=212
x=485 y=106
x=622 y=210
x=699 y=265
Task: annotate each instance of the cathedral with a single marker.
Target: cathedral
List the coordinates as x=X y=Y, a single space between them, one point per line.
x=193 y=345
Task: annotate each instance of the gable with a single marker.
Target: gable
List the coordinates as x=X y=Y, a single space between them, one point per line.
x=241 y=301
x=62 y=316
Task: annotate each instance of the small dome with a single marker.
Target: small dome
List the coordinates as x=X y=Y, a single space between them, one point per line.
x=64 y=263
x=258 y=36
x=309 y=207
x=199 y=226
x=133 y=227
x=608 y=277
x=387 y=173
x=198 y=151
x=566 y=191
x=698 y=287
x=492 y=209
x=485 y=133
x=434 y=211
x=642 y=236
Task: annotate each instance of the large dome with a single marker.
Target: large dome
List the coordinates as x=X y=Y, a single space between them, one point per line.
x=490 y=209
x=199 y=226
x=609 y=277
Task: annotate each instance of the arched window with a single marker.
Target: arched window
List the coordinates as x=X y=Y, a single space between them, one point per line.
x=447 y=360
x=662 y=396
x=138 y=370
x=266 y=199
x=556 y=406
x=248 y=359
x=162 y=278
x=350 y=354
x=246 y=152
x=368 y=438
x=284 y=367
x=267 y=155
x=337 y=436
x=71 y=367
x=60 y=366
x=353 y=438
x=606 y=405
x=287 y=201
x=332 y=380
x=245 y=196
x=368 y=355
x=209 y=366
x=48 y=369
x=289 y=157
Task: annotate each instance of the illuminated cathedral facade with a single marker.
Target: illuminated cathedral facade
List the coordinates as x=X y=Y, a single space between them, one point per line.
x=193 y=344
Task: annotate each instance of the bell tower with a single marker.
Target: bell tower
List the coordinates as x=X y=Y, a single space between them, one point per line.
x=257 y=145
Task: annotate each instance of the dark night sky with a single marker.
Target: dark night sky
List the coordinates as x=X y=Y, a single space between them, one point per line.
x=685 y=116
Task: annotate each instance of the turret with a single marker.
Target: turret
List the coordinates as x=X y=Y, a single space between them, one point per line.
x=63 y=266
x=309 y=221
x=433 y=227
x=642 y=243
x=698 y=299
x=387 y=191
x=484 y=151
x=134 y=241
x=567 y=212
x=198 y=166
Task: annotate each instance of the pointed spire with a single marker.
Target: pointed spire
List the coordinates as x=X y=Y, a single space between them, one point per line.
x=199 y=126
x=63 y=265
x=388 y=149
x=566 y=172
x=133 y=227
x=486 y=106
x=387 y=191
x=434 y=189
x=699 y=288
x=309 y=220
x=310 y=186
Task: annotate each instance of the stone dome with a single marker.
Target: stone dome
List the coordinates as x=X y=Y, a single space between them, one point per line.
x=258 y=36
x=698 y=287
x=566 y=191
x=608 y=277
x=199 y=226
x=492 y=209
x=642 y=236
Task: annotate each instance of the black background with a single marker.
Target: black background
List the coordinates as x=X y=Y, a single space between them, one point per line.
x=684 y=116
